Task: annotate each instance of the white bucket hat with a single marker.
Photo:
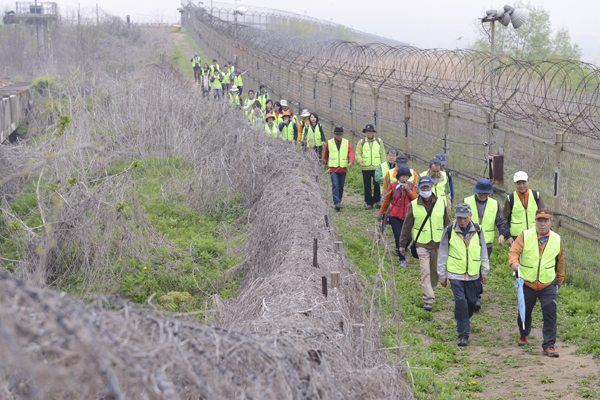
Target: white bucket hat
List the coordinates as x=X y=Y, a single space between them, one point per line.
x=234 y=89
x=305 y=113
x=283 y=103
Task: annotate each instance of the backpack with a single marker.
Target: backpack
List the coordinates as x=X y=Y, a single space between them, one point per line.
x=511 y=198
x=376 y=138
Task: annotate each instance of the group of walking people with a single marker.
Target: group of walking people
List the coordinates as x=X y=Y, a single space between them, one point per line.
x=418 y=207
x=216 y=80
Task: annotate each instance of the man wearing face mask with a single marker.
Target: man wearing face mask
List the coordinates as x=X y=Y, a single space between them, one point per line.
x=440 y=186
x=429 y=215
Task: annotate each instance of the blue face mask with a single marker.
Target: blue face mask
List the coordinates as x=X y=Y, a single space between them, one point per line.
x=425 y=194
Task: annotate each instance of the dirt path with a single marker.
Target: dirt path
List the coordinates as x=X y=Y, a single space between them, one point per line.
x=492 y=366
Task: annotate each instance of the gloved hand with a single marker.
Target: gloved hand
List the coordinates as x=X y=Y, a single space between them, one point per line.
x=380 y=217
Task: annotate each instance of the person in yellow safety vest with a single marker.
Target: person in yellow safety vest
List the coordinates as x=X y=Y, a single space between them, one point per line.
x=270 y=126
x=262 y=96
x=303 y=121
x=205 y=82
x=369 y=153
x=237 y=80
x=383 y=169
x=256 y=116
x=277 y=112
x=226 y=80
x=214 y=68
x=520 y=206
x=288 y=128
x=338 y=156
x=440 y=182
x=444 y=162
x=285 y=107
x=538 y=255
x=426 y=218
x=463 y=260
x=249 y=102
x=234 y=98
x=217 y=85
x=390 y=176
x=313 y=136
x=196 y=66
x=488 y=214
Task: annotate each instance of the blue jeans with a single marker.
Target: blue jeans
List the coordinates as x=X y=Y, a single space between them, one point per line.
x=396 y=224
x=217 y=93
x=465 y=295
x=337 y=186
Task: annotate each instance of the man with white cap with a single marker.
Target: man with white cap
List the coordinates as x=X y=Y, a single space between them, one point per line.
x=520 y=207
x=462 y=257
x=426 y=218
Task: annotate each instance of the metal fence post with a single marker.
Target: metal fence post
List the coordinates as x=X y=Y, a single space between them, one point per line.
x=406 y=119
x=446 y=128
x=558 y=145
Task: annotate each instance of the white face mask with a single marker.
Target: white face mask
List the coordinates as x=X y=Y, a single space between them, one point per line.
x=425 y=194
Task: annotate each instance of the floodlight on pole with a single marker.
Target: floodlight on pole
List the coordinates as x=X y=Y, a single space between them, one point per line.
x=509 y=15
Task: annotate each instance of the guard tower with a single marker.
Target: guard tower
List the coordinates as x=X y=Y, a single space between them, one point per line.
x=39 y=15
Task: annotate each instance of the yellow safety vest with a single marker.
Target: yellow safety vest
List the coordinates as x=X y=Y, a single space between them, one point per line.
x=338 y=158
x=263 y=99
x=237 y=80
x=520 y=218
x=234 y=100
x=371 y=154
x=434 y=227
x=535 y=267
x=273 y=130
x=489 y=216
x=313 y=135
x=226 y=78
x=248 y=102
x=287 y=132
x=463 y=257
x=214 y=68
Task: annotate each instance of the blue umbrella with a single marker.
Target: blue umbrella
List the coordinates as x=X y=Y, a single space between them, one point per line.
x=519 y=285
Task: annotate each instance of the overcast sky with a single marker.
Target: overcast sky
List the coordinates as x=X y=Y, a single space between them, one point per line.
x=423 y=23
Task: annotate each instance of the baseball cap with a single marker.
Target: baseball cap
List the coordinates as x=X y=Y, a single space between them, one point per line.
x=442 y=158
x=544 y=213
x=425 y=181
x=462 y=210
x=401 y=160
x=403 y=170
x=520 y=176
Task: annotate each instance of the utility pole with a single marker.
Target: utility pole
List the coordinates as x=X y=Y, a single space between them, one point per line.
x=97 y=15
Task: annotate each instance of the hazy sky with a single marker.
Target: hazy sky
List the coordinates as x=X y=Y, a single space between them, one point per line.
x=423 y=23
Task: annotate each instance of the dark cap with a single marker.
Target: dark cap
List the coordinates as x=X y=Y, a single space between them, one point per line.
x=401 y=160
x=369 y=127
x=338 y=130
x=483 y=186
x=463 y=210
x=442 y=158
x=425 y=181
x=403 y=170
x=214 y=61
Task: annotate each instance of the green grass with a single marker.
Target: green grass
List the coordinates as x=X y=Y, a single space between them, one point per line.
x=182 y=52
x=431 y=337
x=196 y=261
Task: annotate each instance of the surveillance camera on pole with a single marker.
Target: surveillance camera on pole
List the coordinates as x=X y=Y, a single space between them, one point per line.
x=509 y=15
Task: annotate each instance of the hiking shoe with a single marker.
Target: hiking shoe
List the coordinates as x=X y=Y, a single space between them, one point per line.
x=369 y=207
x=462 y=342
x=550 y=352
x=338 y=207
x=477 y=304
x=379 y=203
x=522 y=341
x=427 y=306
x=403 y=263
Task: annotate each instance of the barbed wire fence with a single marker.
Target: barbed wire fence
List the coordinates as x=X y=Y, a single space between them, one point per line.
x=542 y=116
